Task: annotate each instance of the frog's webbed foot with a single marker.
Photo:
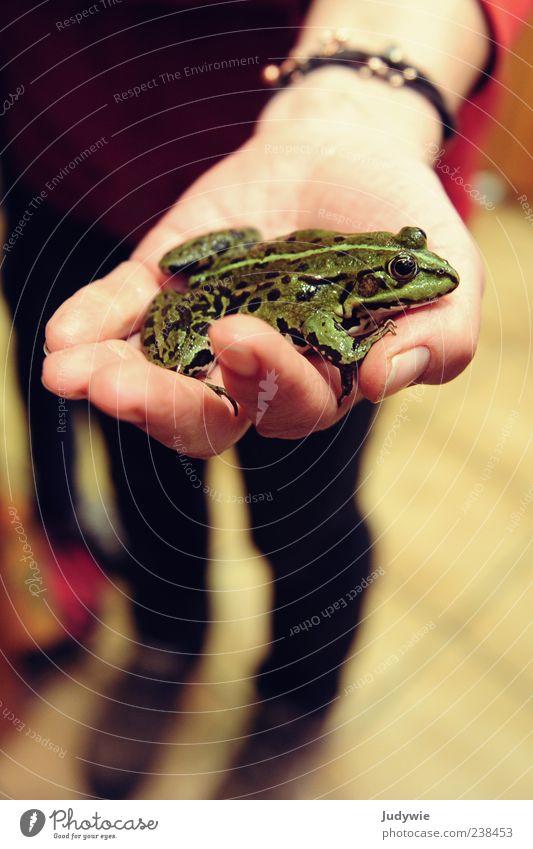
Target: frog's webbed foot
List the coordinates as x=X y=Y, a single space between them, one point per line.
x=223 y=393
x=362 y=346
x=323 y=333
x=202 y=253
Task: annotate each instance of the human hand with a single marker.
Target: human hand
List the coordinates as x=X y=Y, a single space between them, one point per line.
x=354 y=175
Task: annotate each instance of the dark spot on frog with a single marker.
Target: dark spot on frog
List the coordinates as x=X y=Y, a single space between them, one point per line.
x=200 y=327
x=218 y=303
x=222 y=243
x=149 y=340
x=346 y=292
x=270 y=275
x=236 y=301
x=254 y=304
x=307 y=292
x=295 y=334
x=339 y=238
x=202 y=358
x=304 y=266
x=273 y=295
x=332 y=355
x=155 y=355
x=177 y=324
x=286 y=278
x=368 y=285
x=350 y=323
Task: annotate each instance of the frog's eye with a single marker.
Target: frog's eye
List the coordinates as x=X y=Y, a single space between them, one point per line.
x=412 y=237
x=403 y=267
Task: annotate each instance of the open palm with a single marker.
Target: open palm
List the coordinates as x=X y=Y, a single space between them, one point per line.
x=276 y=187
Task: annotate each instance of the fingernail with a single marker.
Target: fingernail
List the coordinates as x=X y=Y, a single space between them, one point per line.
x=405 y=368
x=239 y=359
x=61 y=393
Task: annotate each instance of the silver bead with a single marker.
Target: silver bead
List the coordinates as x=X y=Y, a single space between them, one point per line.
x=395 y=79
x=342 y=35
x=270 y=74
x=395 y=54
x=377 y=65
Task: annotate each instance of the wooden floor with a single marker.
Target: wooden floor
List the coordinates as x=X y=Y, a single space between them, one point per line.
x=436 y=696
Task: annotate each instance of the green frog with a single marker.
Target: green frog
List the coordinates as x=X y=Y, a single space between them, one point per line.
x=329 y=292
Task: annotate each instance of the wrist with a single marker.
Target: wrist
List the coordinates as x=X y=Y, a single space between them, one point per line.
x=450 y=44
x=335 y=106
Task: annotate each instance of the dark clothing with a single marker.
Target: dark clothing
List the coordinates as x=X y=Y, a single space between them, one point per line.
x=111 y=108
x=120 y=112
x=122 y=109
x=302 y=509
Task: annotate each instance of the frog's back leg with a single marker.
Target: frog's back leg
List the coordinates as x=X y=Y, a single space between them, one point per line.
x=174 y=333
x=175 y=336
x=206 y=251
x=166 y=328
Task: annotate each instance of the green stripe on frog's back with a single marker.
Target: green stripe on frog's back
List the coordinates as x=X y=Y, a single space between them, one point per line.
x=261 y=262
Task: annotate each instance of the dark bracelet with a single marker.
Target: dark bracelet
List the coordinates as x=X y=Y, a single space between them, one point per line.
x=389 y=67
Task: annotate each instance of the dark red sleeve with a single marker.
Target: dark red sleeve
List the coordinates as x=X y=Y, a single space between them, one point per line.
x=455 y=167
x=506 y=22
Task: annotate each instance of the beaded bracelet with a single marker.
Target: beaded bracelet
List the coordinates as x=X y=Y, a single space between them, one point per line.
x=389 y=67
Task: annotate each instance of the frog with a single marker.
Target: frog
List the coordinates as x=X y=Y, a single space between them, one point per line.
x=325 y=291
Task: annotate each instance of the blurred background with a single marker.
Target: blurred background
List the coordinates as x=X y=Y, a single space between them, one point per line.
x=436 y=696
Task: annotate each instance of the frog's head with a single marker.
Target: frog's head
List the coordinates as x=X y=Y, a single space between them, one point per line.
x=407 y=275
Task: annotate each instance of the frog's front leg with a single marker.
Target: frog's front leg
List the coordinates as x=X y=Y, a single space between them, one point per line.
x=326 y=336
x=206 y=251
x=199 y=358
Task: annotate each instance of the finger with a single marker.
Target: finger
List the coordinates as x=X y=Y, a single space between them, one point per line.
x=180 y=412
x=114 y=307
x=284 y=394
x=110 y=308
x=68 y=372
